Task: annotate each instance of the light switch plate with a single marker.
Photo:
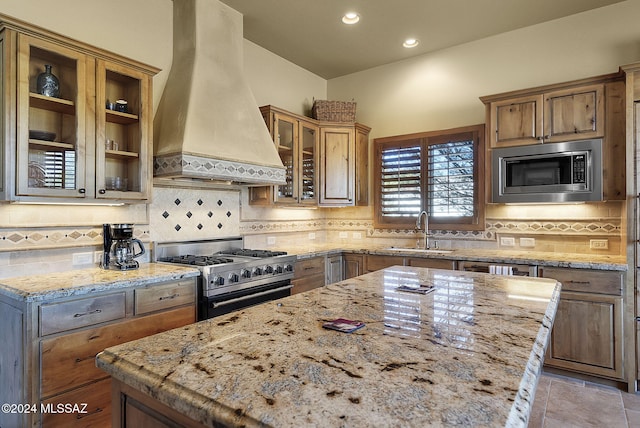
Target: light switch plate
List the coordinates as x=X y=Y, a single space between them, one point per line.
x=357 y=235
x=599 y=244
x=507 y=241
x=343 y=235
x=82 y=259
x=271 y=240
x=312 y=235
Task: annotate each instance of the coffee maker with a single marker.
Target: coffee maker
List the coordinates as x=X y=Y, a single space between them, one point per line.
x=119 y=247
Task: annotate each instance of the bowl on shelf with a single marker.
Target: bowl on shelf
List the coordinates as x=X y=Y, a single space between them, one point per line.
x=42 y=135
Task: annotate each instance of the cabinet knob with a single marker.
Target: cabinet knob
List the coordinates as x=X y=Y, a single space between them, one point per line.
x=102 y=191
x=81 y=191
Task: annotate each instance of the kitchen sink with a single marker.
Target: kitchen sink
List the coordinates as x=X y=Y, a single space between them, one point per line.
x=419 y=250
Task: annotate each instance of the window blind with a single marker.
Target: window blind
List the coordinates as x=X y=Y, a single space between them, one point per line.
x=400 y=181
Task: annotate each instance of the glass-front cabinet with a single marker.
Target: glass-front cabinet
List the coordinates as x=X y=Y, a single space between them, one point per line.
x=82 y=120
x=297 y=141
x=122 y=154
x=51 y=140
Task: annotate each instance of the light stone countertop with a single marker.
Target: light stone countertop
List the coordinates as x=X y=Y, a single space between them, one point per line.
x=539 y=258
x=33 y=288
x=468 y=353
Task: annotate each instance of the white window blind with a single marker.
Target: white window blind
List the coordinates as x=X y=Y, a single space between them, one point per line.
x=400 y=181
x=450 y=176
x=60 y=169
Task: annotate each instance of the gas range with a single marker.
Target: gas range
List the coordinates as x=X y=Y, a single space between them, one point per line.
x=230 y=273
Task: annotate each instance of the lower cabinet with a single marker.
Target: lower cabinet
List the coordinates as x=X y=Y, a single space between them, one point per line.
x=334 y=269
x=432 y=263
x=352 y=265
x=374 y=263
x=308 y=274
x=61 y=338
x=587 y=332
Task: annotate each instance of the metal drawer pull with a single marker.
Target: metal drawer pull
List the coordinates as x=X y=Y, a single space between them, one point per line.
x=97 y=311
x=578 y=282
x=309 y=267
x=173 y=296
x=249 y=296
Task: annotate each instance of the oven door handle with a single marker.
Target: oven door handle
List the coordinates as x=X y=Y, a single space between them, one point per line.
x=250 y=296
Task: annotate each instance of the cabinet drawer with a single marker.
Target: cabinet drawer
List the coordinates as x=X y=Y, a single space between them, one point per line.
x=585 y=280
x=64 y=316
x=97 y=397
x=164 y=296
x=309 y=267
x=380 y=262
x=431 y=263
x=69 y=361
x=307 y=283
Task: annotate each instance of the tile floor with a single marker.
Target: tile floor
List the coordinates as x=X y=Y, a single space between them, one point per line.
x=565 y=402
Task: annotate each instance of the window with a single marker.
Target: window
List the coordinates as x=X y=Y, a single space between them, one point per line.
x=440 y=172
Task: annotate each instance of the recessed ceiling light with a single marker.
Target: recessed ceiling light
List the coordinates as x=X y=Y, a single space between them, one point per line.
x=411 y=43
x=350 y=18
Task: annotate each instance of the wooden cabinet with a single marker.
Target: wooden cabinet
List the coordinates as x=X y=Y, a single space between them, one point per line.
x=308 y=274
x=60 y=139
x=54 y=344
x=587 y=332
x=333 y=269
x=296 y=139
x=343 y=176
x=374 y=262
x=327 y=163
x=352 y=265
x=558 y=115
x=431 y=263
x=578 y=110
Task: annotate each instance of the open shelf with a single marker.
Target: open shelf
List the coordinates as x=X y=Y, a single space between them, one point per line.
x=59 y=105
x=121 y=154
x=121 y=118
x=48 y=145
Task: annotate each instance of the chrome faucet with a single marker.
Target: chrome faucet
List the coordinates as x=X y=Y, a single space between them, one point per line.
x=426 y=227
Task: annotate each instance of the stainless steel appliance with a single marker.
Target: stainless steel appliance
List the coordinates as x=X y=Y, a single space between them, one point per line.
x=498 y=269
x=232 y=277
x=557 y=172
x=119 y=247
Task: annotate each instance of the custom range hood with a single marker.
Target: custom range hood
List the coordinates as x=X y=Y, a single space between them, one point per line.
x=208 y=125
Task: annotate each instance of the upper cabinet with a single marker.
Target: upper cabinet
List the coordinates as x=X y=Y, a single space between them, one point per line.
x=65 y=137
x=326 y=162
x=562 y=115
x=577 y=110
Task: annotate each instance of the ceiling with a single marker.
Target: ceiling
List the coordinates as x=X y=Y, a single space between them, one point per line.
x=310 y=33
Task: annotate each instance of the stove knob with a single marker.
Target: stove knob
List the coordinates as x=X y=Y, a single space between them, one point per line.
x=278 y=269
x=217 y=280
x=257 y=271
x=233 y=277
x=245 y=273
x=288 y=268
x=268 y=269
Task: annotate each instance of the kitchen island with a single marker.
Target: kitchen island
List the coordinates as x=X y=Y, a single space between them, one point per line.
x=468 y=353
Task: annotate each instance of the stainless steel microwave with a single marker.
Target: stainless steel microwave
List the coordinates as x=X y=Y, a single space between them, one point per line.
x=557 y=172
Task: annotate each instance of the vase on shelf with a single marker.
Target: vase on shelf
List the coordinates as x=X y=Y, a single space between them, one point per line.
x=47 y=83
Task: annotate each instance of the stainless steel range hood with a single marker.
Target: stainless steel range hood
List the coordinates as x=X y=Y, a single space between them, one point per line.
x=208 y=125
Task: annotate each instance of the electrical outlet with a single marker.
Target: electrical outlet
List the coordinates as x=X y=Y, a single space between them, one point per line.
x=82 y=259
x=357 y=235
x=507 y=241
x=527 y=242
x=97 y=257
x=599 y=244
x=271 y=240
x=343 y=235
x=312 y=235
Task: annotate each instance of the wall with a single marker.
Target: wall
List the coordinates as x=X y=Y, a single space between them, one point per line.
x=434 y=91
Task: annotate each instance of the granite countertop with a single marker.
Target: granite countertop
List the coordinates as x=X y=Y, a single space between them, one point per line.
x=468 y=353
x=47 y=286
x=539 y=258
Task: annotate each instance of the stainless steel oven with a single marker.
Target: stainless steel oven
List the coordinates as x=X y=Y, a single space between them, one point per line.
x=232 y=277
x=557 y=172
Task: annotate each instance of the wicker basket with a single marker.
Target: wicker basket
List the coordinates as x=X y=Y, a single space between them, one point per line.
x=334 y=111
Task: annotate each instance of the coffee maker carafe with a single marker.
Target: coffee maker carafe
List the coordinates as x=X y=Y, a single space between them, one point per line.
x=119 y=247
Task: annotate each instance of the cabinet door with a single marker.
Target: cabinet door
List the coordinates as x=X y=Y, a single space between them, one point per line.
x=285 y=135
x=334 y=269
x=52 y=141
x=380 y=262
x=516 y=122
x=587 y=335
x=573 y=114
x=337 y=165
x=353 y=265
x=362 y=165
x=123 y=161
x=308 y=137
